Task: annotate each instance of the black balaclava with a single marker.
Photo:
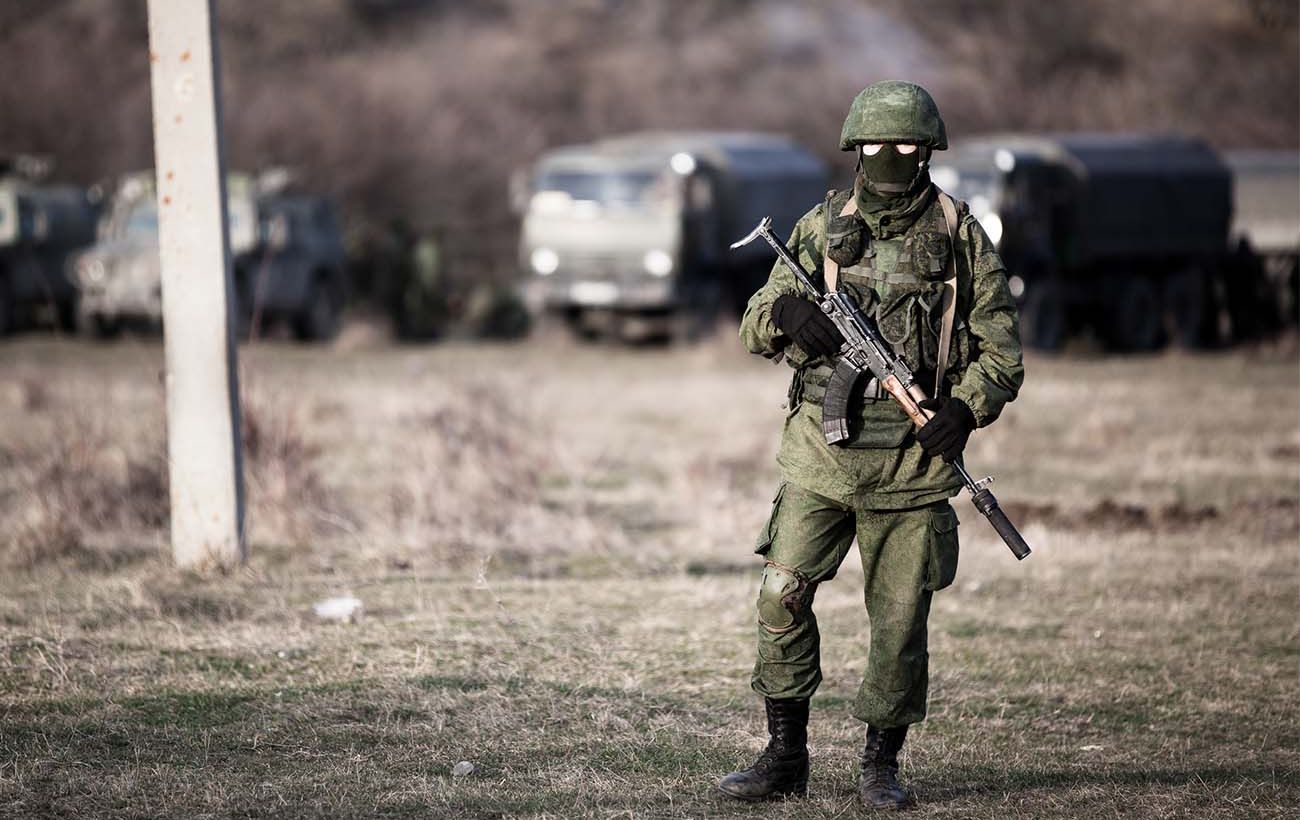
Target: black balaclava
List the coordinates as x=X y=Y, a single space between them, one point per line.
x=892 y=189
x=890 y=173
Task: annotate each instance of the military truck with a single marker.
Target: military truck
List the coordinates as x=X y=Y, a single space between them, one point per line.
x=286 y=250
x=629 y=235
x=40 y=225
x=1266 y=239
x=1126 y=234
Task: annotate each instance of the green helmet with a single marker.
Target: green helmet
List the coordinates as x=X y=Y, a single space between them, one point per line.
x=893 y=111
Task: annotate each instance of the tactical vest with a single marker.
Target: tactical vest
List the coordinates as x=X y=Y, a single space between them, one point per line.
x=899 y=282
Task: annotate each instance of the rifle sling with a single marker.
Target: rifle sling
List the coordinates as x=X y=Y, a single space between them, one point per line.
x=949 y=304
x=831 y=268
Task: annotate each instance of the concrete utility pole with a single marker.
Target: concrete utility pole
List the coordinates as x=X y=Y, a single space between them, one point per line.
x=207 y=492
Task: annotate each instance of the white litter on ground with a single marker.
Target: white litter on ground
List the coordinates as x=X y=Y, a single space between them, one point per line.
x=345 y=608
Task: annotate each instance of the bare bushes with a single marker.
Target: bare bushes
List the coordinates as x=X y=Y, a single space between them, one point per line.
x=287 y=499
x=483 y=482
x=96 y=495
x=475 y=467
x=78 y=496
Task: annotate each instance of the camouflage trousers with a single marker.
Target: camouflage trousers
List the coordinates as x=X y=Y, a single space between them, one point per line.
x=906 y=556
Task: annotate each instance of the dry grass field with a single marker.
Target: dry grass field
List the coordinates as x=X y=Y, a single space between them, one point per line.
x=553 y=547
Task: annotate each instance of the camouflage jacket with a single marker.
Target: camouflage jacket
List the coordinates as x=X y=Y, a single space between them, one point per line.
x=884 y=468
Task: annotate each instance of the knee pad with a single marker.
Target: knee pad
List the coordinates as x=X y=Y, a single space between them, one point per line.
x=783 y=597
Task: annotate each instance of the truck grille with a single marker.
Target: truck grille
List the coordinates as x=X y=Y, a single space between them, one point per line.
x=599 y=266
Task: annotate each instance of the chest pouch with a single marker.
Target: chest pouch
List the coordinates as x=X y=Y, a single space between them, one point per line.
x=907 y=298
x=909 y=317
x=846 y=239
x=925 y=257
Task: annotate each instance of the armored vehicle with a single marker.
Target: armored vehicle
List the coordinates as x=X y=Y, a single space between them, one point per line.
x=1266 y=228
x=630 y=234
x=286 y=249
x=1126 y=234
x=40 y=225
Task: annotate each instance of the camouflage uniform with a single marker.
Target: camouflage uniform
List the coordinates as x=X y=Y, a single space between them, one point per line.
x=881 y=487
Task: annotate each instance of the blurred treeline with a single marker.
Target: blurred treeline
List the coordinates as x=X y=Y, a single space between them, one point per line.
x=419 y=110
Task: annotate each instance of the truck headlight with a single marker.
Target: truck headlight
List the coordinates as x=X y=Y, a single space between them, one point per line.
x=544 y=261
x=658 y=263
x=91 y=271
x=1016 y=286
x=682 y=163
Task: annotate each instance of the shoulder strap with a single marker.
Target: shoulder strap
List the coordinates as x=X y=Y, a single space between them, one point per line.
x=831 y=268
x=949 y=302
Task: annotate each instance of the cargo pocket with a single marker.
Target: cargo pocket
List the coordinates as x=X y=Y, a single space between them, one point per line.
x=941 y=548
x=768 y=533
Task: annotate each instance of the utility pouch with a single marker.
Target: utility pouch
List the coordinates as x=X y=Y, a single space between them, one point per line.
x=846 y=239
x=907 y=317
x=941 y=547
x=930 y=251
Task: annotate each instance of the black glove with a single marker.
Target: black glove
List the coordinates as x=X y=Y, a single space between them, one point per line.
x=804 y=322
x=947 y=432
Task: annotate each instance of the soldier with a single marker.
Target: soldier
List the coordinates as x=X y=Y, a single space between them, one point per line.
x=896 y=243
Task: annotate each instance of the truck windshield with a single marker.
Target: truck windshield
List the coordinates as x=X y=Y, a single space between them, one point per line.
x=967 y=183
x=628 y=188
x=142 y=222
x=979 y=186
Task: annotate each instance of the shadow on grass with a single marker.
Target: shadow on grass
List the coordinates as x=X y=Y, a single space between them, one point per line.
x=984 y=780
x=356 y=748
x=363 y=748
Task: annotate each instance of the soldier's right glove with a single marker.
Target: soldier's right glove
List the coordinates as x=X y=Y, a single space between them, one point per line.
x=805 y=323
x=946 y=433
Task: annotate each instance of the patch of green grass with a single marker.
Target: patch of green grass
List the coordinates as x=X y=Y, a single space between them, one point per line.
x=188 y=710
x=452 y=682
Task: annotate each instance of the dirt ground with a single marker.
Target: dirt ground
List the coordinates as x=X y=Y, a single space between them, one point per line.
x=553 y=546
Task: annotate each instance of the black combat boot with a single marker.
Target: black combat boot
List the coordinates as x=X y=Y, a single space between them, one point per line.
x=878 y=784
x=782 y=768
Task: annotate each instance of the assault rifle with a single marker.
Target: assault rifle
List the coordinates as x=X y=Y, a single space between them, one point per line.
x=865 y=350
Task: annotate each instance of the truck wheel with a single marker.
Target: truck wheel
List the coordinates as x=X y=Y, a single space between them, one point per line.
x=583 y=328
x=6 y=309
x=1184 y=298
x=319 y=319
x=1043 y=316
x=98 y=326
x=1136 y=316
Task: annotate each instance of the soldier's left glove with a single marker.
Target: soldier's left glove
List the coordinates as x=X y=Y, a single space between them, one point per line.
x=947 y=432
